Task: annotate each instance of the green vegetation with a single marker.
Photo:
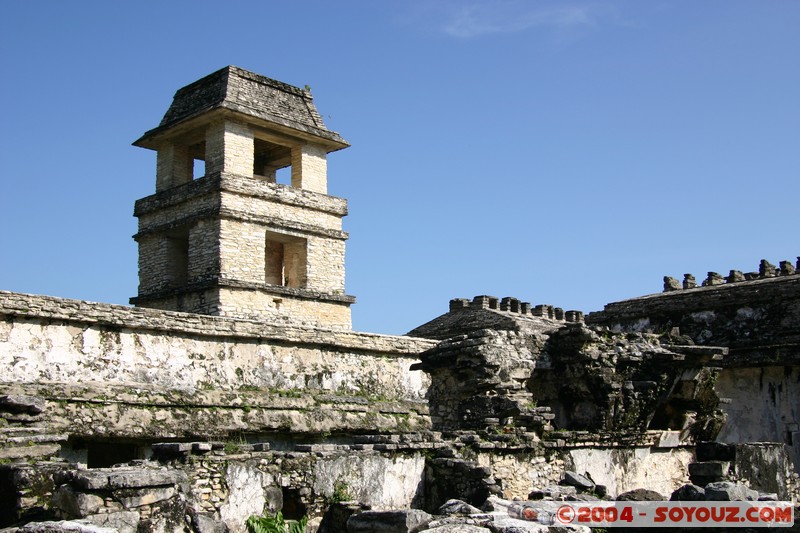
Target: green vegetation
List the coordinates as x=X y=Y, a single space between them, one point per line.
x=275 y=524
x=341 y=492
x=234 y=445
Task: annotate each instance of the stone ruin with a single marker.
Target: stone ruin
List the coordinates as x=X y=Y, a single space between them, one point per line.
x=236 y=387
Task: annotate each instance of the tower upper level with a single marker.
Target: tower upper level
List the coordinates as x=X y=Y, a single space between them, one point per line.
x=279 y=120
x=233 y=241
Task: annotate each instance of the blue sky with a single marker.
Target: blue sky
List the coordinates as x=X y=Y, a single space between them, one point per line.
x=569 y=153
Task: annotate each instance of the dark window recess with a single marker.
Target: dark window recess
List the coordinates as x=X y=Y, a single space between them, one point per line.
x=105 y=454
x=293 y=506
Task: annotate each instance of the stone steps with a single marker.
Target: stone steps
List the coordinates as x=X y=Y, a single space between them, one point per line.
x=26 y=440
x=20 y=430
x=29 y=452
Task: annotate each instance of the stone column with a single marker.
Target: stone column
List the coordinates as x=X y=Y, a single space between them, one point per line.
x=310 y=168
x=229 y=148
x=174 y=165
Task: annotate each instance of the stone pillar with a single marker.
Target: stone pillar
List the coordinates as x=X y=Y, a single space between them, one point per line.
x=766 y=269
x=509 y=304
x=573 y=316
x=310 y=168
x=484 y=302
x=229 y=148
x=671 y=284
x=174 y=165
x=152 y=263
x=456 y=304
x=735 y=276
x=713 y=279
x=204 y=250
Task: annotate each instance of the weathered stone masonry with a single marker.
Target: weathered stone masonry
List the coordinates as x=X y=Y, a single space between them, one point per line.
x=68 y=350
x=757 y=321
x=234 y=242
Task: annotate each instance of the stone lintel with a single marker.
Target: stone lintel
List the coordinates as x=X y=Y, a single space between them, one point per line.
x=246 y=185
x=229 y=214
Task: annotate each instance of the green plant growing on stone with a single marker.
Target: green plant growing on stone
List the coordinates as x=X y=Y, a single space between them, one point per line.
x=341 y=492
x=275 y=524
x=233 y=446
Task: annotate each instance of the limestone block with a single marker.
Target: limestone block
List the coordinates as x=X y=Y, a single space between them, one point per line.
x=131 y=498
x=457 y=528
x=203 y=523
x=373 y=479
x=120 y=522
x=64 y=526
x=577 y=480
x=640 y=495
x=457 y=507
x=32 y=405
x=247 y=494
x=725 y=491
x=23 y=452
x=91 y=480
x=144 y=478
x=405 y=521
x=709 y=469
x=553 y=492
x=76 y=504
x=689 y=493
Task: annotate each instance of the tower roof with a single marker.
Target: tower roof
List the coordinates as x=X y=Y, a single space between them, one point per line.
x=244 y=92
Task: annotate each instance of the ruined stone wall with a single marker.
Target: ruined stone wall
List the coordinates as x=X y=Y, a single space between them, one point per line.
x=766 y=407
x=619 y=469
x=755 y=319
x=123 y=368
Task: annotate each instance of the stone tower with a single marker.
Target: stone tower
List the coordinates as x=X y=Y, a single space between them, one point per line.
x=234 y=242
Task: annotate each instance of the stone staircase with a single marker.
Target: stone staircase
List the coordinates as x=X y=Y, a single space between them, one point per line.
x=21 y=436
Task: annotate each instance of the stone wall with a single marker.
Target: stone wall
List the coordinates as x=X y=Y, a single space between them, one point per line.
x=627 y=468
x=213 y=232
x=766 y=407
x=756 y=319
x=115 y=366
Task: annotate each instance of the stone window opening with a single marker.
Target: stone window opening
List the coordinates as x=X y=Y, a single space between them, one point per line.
x=272 y=162
x=198 y=154
x=198 y=168
x=285 y=260
x=104 y=453
x=177 y=252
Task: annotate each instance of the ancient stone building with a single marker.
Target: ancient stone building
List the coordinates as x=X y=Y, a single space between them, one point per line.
x=233 y=242
x=235 y=386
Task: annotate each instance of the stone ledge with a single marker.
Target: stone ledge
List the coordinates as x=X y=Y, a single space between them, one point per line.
x=699 y=298
x=36 y=307
x=230 y=214
x=241 y=185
